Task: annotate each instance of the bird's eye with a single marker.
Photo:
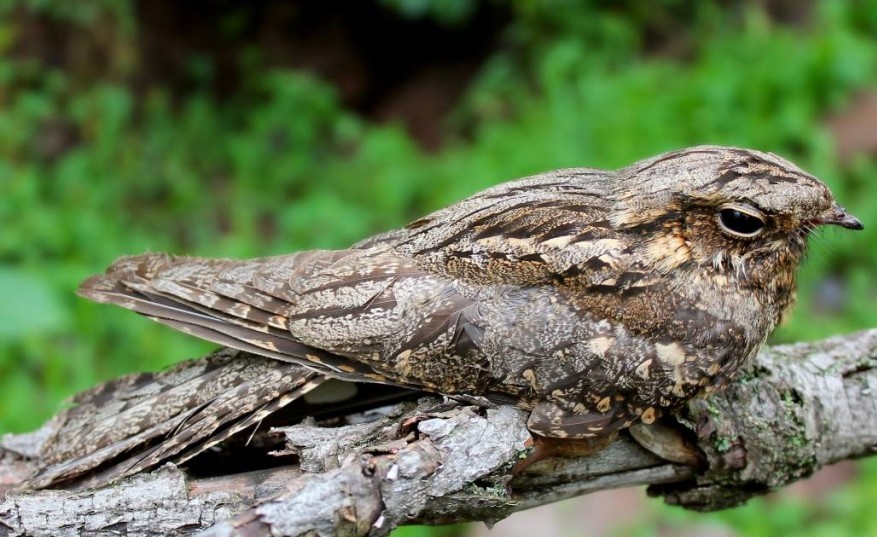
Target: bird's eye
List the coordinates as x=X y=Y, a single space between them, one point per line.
x=740 y=222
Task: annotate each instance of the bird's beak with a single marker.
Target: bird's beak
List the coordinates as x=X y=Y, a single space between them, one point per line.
x=838 y=216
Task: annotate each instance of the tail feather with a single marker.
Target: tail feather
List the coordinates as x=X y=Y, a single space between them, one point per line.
x=135 y=423
x=140 y=421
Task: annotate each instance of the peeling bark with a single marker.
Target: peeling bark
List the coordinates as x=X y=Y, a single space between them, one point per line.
x=795 y=409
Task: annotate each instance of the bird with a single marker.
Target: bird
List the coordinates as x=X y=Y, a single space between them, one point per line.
x=593 y=299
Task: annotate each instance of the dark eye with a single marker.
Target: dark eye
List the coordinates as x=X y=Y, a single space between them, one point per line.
x=740 y=222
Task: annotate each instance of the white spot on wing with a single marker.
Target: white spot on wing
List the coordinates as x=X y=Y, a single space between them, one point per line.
x=671 y=353
x=599 y=345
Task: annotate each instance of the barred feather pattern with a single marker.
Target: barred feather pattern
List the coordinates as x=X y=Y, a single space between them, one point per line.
x=139 y=421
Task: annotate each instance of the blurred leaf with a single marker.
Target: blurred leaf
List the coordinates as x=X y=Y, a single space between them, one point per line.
x=281 y=165
x=28 y=306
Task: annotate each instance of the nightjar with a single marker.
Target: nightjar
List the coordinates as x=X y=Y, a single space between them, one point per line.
x=593 y=299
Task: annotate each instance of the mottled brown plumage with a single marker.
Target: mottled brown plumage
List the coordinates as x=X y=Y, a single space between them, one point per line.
x=139 y=421
x=593 y=299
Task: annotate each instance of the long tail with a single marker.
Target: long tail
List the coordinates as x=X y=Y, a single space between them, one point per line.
x=139 y=421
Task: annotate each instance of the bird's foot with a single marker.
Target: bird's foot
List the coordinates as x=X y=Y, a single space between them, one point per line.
x=546 y=447
x=668 y=440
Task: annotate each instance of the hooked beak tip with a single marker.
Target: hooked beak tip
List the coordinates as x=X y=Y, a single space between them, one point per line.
x=838 y=216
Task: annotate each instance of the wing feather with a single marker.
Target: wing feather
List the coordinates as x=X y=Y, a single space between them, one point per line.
x=528 y=232
x=211 y=324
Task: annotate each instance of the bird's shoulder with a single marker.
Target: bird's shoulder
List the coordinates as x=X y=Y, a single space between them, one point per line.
x=532 y=231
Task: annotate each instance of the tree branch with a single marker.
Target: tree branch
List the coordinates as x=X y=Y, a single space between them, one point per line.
x=795 y=409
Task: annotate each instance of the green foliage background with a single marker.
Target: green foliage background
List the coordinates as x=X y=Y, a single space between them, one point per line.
x=281 y=166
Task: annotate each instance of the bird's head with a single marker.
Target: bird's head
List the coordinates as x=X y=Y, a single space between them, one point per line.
x=736 y=213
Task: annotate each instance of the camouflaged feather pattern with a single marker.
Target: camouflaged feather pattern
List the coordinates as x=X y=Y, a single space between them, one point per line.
x=594 y=299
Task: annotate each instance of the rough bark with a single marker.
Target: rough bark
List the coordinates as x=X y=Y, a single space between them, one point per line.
x=795 y=409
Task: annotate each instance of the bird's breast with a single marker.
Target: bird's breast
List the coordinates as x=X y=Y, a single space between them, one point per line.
x=658 y=346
